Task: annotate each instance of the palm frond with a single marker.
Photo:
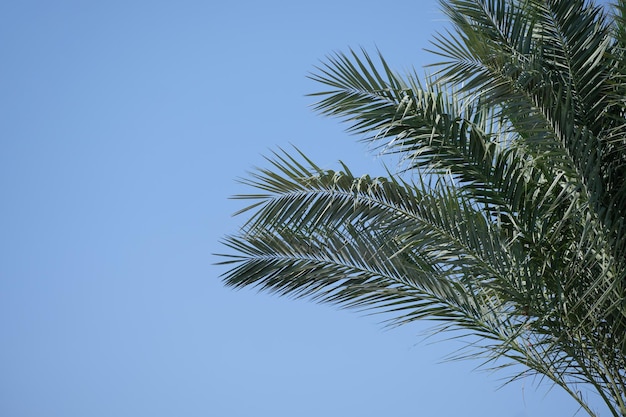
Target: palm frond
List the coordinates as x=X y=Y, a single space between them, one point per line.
x=516 y=228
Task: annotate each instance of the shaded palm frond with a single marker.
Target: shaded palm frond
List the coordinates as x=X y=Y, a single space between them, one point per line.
x=552 y=80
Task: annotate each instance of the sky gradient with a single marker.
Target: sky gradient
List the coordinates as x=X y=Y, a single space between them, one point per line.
x=124 y=126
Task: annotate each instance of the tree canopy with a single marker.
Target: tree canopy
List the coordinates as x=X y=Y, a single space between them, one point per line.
x=508 y=219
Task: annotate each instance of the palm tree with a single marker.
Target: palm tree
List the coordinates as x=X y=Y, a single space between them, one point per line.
x=509 y=220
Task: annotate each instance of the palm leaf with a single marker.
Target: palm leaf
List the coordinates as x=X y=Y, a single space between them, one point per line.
x=515 y=229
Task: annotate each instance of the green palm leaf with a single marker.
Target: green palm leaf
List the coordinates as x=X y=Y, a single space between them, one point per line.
x=514 y=228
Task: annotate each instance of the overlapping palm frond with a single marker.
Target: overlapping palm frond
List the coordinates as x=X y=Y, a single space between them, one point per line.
x=373 y=243
x=365 y=225
x=548 y=67
x=434 y=130
x=516 y=228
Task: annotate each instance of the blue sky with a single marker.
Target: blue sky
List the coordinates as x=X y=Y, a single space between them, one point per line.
x=123 y=127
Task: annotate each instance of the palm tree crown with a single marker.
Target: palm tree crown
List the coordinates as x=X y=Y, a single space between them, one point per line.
x=512 y=224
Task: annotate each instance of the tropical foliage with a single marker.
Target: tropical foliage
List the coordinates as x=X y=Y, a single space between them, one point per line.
x=509 y=221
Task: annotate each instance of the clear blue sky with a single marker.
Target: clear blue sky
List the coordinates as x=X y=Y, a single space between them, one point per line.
x=123 y=127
